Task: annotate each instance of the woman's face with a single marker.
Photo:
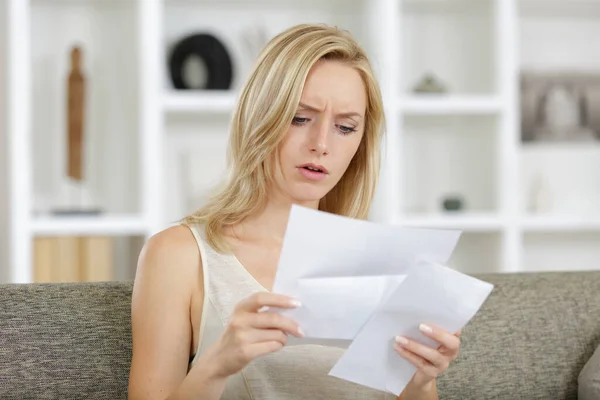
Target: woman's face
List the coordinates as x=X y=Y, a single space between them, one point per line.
x=325 y=133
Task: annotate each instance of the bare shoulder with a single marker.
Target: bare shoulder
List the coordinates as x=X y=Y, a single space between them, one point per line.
x=167 y=277
x=176 y=244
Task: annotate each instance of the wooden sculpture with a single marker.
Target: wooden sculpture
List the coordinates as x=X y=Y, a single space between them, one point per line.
x=75 y=117
x=77 y=196
x=74 y=258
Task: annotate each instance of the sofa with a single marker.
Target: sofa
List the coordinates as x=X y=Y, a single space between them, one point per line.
x=530 y=340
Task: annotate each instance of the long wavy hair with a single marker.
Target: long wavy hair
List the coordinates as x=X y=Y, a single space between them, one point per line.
x=266 y=107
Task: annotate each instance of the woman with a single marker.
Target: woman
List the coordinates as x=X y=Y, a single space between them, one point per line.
x=306 y=130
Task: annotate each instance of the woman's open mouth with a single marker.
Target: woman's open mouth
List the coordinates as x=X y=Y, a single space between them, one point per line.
x=313 y=172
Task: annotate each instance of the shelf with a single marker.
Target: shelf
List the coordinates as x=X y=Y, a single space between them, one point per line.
x=242 y=3
x=472 y=222
x=168 y=147
x=244 y=27
x=561 y=251
x=443 y=5
x=564 y=182
x=224 y=101
x=118 y=225
x=560 y=8
x=560 y=224
x=192 y=102
x=453 y=104
x=453 y=41
x=449 y=156
x=106 y=32
x=478 y=252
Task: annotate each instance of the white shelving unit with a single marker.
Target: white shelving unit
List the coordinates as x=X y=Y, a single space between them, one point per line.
x=220 y=102
x=4 y=221
x=121 y=60
x=452 y=105
x=167 y=147
x=102 y=225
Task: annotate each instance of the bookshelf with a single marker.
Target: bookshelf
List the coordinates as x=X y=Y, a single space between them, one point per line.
x=167 y=146
x=122 y=154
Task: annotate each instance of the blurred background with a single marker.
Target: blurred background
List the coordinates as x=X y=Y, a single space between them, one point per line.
x=114 y=120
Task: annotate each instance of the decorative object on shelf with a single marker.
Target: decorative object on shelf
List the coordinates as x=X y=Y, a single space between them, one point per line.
x=540 y=199
x=200 y=61
x=75 y=116
x=453 y=203
x=560 y=107
x=430 y=84
x=79 y=197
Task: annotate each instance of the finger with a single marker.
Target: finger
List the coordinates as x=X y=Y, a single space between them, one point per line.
x=432 y=356
x=267 y=299
x=419 y=362
x=444 y=338
x=266 y=335
x=273 y=320
x=259 y=349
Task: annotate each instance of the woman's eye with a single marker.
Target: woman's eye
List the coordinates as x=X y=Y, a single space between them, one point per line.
x=299 y=120
x=347 y=129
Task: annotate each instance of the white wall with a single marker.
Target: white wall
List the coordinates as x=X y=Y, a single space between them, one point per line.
x=194 y=161
x=4 y=267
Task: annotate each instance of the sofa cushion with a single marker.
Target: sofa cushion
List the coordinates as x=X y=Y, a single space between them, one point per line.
x=589 y=378
x=65 y=341
x=530 y=339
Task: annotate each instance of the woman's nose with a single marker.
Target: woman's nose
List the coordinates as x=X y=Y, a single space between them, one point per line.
x=319 y=137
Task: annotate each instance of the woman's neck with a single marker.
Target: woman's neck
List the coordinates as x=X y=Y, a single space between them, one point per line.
x=269 y=225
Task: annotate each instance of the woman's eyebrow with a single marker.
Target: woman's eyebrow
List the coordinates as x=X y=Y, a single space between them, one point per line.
x=344 y=115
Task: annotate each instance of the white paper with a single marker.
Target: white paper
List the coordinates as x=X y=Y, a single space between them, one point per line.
x=431 y=294
x=362 y=283
x=342 y=268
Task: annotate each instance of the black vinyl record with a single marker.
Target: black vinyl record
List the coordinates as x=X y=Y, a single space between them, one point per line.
x=213 y=55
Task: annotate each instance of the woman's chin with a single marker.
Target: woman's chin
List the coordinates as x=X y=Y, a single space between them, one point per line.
x=308 y=198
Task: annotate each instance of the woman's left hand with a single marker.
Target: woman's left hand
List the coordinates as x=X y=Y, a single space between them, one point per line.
x=429 y=362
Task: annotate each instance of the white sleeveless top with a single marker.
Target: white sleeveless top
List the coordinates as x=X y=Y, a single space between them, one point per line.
x=295 y=372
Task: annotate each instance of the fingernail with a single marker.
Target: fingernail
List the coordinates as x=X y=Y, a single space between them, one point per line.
x=425 y=328
x=401 y=340
x=300 y=332
x=295 y=303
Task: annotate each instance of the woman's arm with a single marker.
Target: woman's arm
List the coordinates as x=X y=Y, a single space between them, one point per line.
x=414 y=392
x=169 y=271
x=430 y=362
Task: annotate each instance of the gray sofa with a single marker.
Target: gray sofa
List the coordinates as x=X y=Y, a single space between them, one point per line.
x=529 y=341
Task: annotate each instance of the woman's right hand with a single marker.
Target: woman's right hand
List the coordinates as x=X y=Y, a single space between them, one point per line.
x=252 y=333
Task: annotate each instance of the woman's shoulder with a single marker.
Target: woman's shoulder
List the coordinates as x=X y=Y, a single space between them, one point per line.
x=171 y=253
x=174 y=241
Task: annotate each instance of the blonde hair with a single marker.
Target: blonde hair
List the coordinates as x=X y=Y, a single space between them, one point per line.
x=265 y=109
